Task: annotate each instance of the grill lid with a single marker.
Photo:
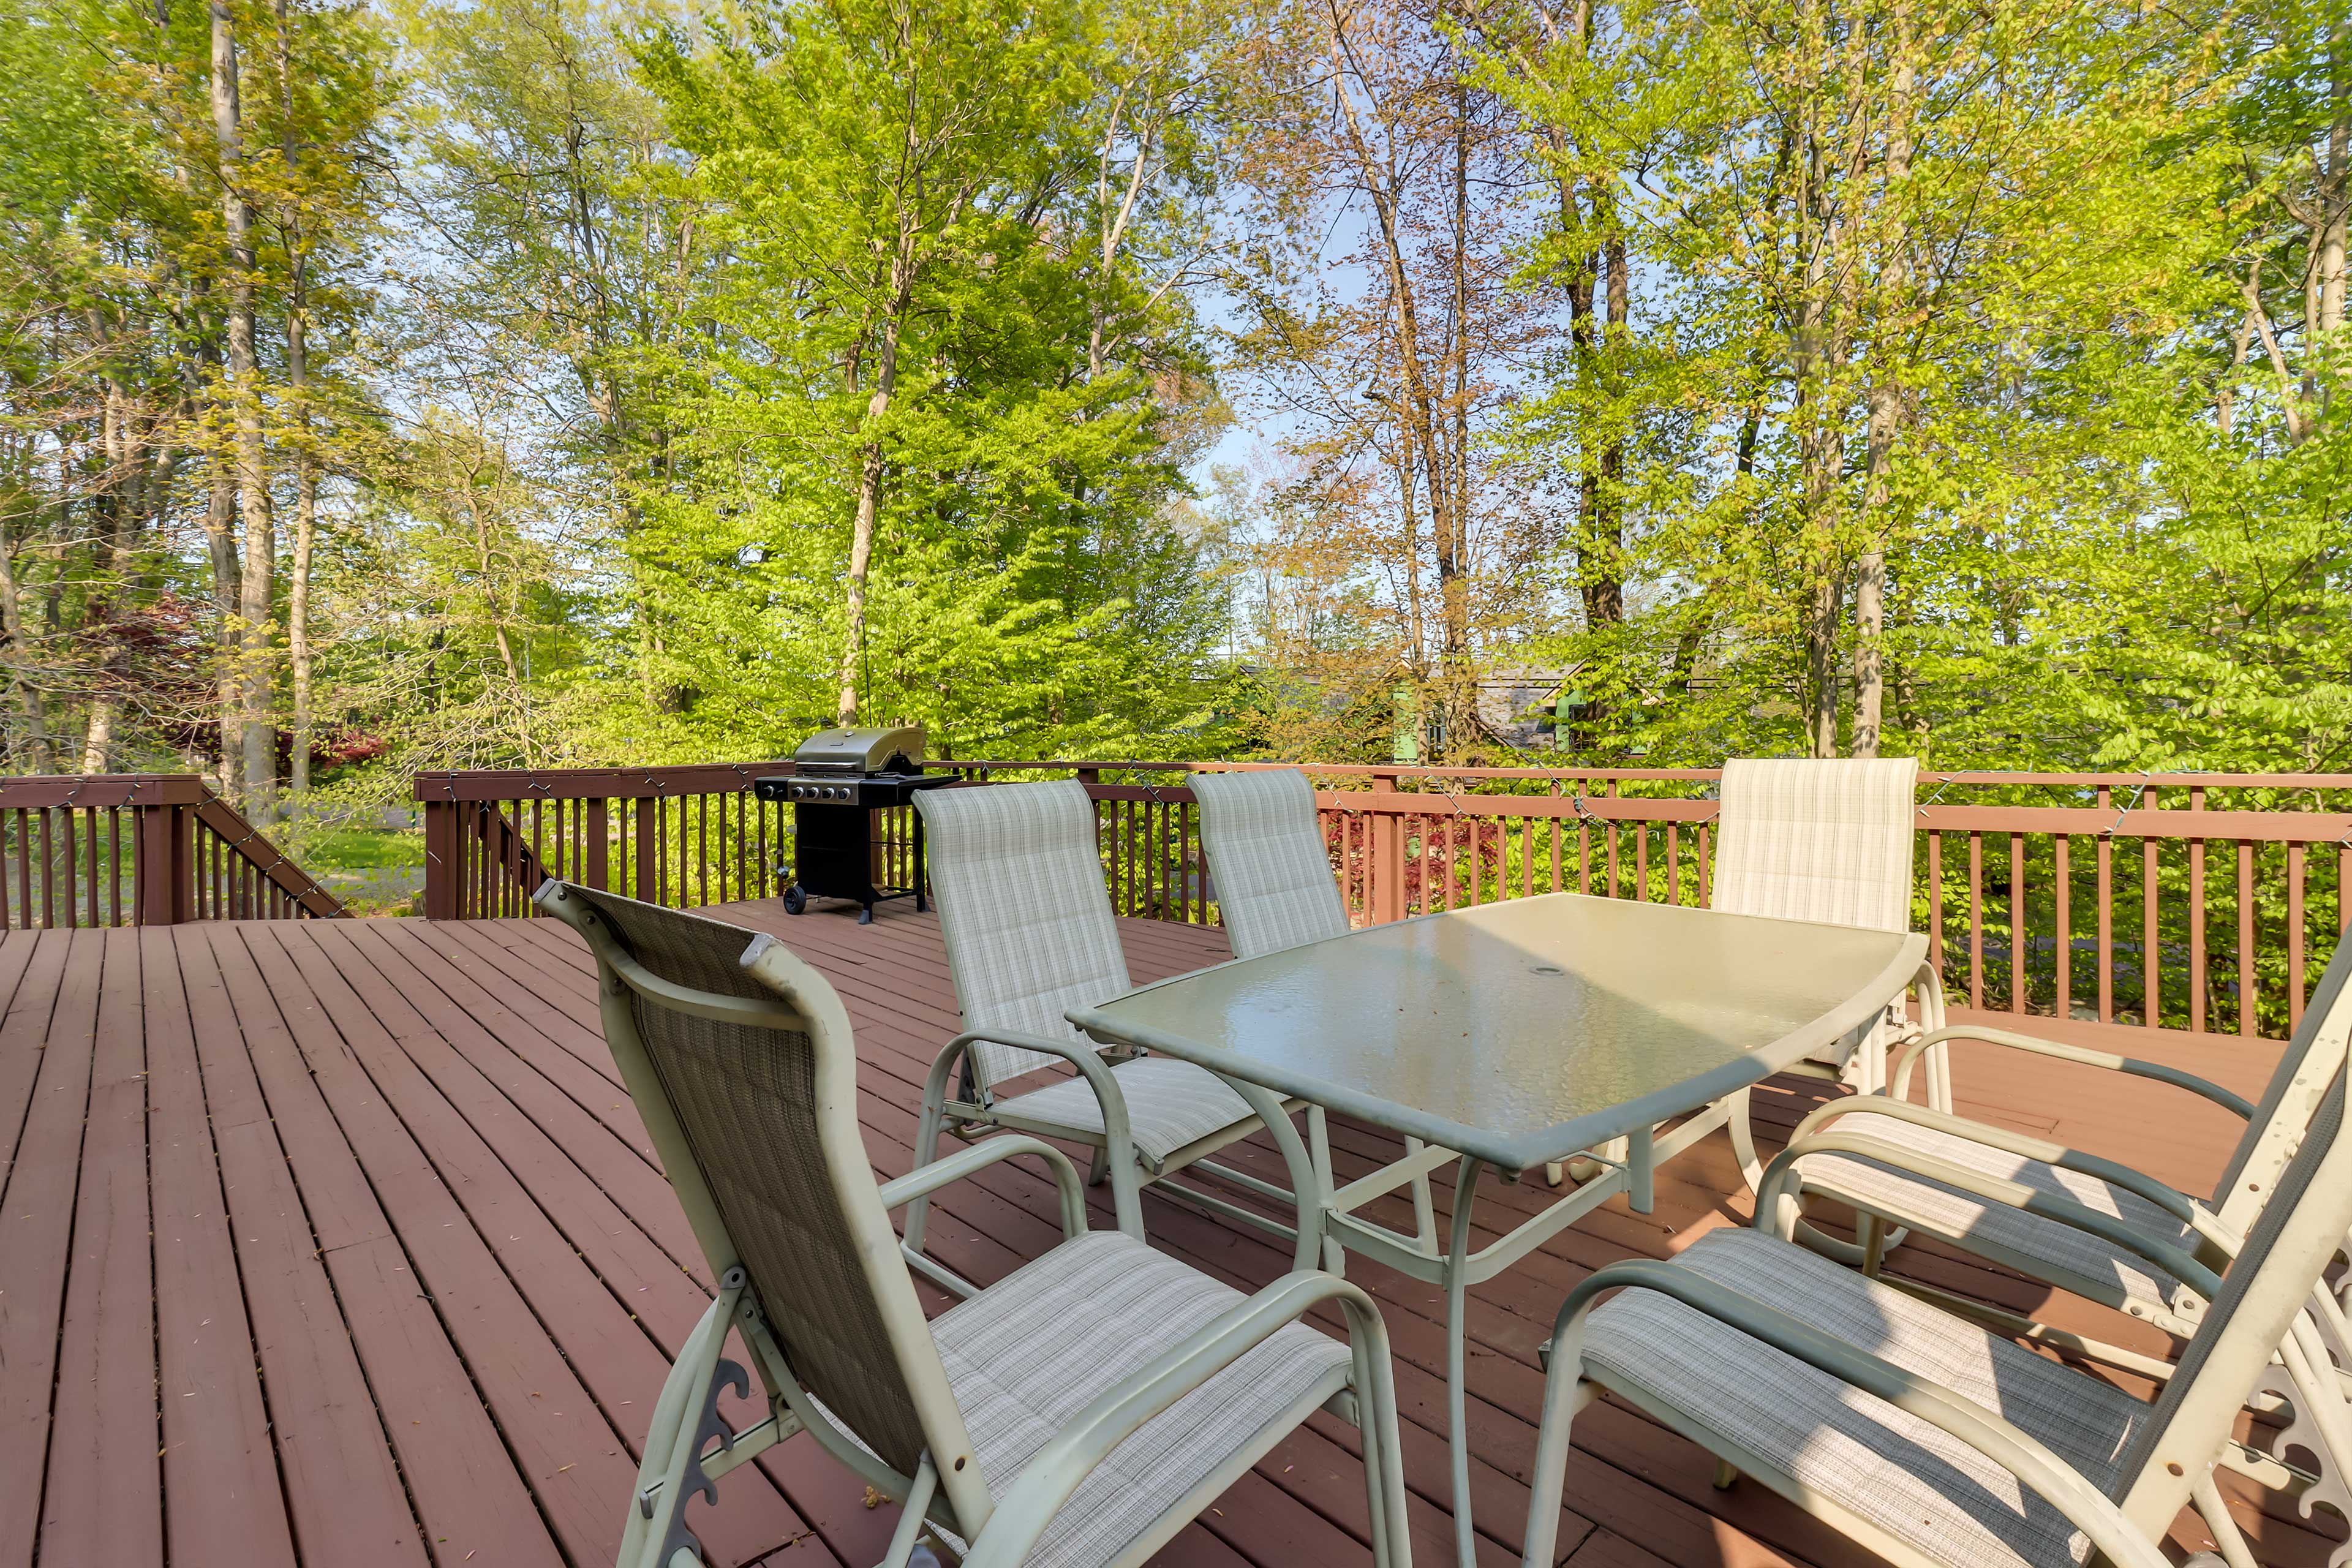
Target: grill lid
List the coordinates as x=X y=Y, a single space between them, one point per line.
x=898 y=750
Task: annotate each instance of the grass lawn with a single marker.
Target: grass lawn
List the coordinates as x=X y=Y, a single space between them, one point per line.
x=361 y=849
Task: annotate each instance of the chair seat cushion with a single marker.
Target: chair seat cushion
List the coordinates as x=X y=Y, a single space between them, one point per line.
x=1169 y=1104
x=2058 y=1254
x=1031 y=1351
x=1900 y=1474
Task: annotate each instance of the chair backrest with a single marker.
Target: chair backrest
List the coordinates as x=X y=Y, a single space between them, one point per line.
x=2291 y=1246
x=2310 y=1059
x=750 y=1093
x=1827 y=840
x=1016 y=871
x=1268 y=861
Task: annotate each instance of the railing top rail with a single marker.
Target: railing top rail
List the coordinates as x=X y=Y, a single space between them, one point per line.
x=593 y=783
x=52 y=790
x=2154 y=780
x=248 y=842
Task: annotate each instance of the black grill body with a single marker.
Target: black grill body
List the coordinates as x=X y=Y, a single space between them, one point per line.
x=841 y=778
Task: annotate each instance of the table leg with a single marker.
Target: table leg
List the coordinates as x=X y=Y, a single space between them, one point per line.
x=1319 y=1154
x=1641 y=1160
x=1457 y=1366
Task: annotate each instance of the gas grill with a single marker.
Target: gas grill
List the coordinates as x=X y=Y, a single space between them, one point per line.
x=840 y=778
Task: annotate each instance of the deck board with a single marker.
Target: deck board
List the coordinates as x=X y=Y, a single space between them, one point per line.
x=340 y=1243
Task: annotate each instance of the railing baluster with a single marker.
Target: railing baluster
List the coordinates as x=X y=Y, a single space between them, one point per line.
x=49 y=871
x=2250 y=1021
x=2019 y=980
x=1935 y=901
x=2295 y=936
x=2064 y=893
x=2151 y=954
x=1976 y=919
x=2106 y=897
x=1612 y=892
x=2197 y=976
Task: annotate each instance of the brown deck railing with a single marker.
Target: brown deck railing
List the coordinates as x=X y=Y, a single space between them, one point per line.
x=113 y=849
x=2200 y=901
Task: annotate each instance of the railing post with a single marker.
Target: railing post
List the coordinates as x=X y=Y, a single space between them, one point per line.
x=1388 y=851
x=164 y=880
x=441 y=860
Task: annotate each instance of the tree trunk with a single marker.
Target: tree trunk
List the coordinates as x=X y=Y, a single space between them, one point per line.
x=306 y=471
x=2336 y=191
x=31 y=733
x=255 y=677
x=870 y=471
x=1420 y=394
x=220 y=543
x=1885 y=401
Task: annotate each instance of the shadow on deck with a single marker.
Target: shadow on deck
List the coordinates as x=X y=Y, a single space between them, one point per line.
x=338 y=1243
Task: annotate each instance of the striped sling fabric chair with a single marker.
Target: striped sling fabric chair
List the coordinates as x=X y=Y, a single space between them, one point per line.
x=1076 y=1414
x=1016 y=875
x=2051 y=1213
x=1271 y=873
x=1828 y=841
x=1922 y=1436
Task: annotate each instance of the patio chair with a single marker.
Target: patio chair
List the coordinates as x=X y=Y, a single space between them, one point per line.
x=1076 y=1414
x=1828 y=841
x=1017 y=874
x=2049 y=1210
x=1271 y=875
x=1917 y=1434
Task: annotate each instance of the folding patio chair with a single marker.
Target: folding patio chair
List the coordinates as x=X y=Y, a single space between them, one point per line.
x=1828 y=841
x=1016 y=875
x=2047 y=1211
x=1271 y=873
x=1924 y=1437
x=1076 y=1414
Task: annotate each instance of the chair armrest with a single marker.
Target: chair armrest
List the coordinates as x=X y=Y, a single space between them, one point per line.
x=1056 y=1470
x=2156 y=1071
x=2014 y=1451
x=925 y=1180
x=1775 y=1205
x=1078 y=1054
x=2180 y=1204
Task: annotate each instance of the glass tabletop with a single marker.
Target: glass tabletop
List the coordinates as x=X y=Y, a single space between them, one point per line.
x=1525 y=1031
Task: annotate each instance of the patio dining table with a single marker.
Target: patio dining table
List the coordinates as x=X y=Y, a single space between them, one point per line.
x=1506 y=1038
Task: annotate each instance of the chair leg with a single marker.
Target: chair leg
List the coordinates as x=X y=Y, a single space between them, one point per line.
x=1125 y=1186
x=1385 y=1496
x=1725 y=1475
x=904 y=1541
x=671 y=1472
x=1565 y=1394
x=926 y=1149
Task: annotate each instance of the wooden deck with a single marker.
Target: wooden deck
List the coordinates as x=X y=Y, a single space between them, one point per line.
x=338 y=1243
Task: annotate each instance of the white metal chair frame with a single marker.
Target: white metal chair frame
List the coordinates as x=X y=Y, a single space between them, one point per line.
x=1888 y=907
x=959 y=1097
x=1278 y=804
x=2259 y=1320
x=947 y=1490
x=2220 y=1221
